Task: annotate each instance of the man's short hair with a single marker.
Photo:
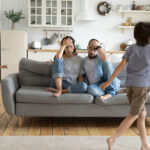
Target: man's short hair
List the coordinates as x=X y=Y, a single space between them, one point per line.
x=93 y=40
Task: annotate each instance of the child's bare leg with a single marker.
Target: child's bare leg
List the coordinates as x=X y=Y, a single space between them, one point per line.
x=125 y=124
x=59 y=87
x=142 y=130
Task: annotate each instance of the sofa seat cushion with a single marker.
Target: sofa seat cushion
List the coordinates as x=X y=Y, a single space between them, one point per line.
x=116 y=100
x=33 y=94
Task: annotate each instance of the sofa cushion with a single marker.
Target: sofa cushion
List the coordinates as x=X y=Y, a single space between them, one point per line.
x=31 y=94
x=37 y=67
x=31 y=79
x=119 y=99
x=34 y=73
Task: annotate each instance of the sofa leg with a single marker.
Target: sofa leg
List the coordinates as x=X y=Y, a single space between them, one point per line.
x=20 y=121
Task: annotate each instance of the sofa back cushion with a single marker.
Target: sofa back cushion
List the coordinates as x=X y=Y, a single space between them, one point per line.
x=37 y=73
x=34 y=73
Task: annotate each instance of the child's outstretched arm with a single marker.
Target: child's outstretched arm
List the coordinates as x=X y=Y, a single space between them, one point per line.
x=116 y=72
x=4 y=66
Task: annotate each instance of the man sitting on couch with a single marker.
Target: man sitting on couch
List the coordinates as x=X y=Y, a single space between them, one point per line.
x=98 y=70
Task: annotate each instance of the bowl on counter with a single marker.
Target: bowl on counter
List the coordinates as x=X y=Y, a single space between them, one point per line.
x=36 y=45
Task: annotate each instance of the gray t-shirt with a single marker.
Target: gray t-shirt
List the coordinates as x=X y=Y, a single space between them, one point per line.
x=71 y=68
x=90 y=71
x=138 y=67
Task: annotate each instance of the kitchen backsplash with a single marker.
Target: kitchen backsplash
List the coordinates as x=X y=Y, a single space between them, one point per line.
x=104 y=28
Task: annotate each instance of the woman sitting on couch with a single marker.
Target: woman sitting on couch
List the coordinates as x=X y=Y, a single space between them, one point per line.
x=66 y=70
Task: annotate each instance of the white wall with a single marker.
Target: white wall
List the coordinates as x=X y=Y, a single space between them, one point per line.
x=104 y=28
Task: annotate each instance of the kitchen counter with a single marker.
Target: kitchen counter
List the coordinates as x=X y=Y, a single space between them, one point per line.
x=48 y=54
x=78 y=51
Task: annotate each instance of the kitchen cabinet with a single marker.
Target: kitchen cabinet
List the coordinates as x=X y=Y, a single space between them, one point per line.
x=35 y=12
x=51 y=13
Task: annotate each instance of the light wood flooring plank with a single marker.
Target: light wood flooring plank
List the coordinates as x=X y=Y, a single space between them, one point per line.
x=46 y=127
x=35 y=127
x=23 y=131
x=80 y=127
x=58 y=127
x=4 y=120
x=69 y=127
x=91 y=126
x=11 y=128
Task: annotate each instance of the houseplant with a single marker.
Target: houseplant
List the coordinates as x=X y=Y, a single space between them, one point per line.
x=14 y=16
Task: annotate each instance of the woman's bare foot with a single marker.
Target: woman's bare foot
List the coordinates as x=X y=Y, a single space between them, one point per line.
x=51 y=90
x=110 y=143
x=58 y=93
x=122 y=91
x=106 y=96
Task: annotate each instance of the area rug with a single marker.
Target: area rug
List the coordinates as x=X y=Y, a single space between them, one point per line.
x=66 y=143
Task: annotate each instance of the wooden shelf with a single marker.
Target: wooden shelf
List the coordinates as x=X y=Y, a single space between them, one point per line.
x=54 y=28
x=125 y=27
x=133 y=11
x=78 y=51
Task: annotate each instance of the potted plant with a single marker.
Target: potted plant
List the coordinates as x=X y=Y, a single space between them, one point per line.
x=14 y=16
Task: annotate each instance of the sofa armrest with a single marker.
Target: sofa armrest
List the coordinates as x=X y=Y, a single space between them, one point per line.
x=9 y=86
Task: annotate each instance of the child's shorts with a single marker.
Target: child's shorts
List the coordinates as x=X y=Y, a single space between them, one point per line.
x=137 y=97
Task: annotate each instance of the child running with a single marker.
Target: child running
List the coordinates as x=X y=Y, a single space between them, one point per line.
x=137 y=58
x=4 y=66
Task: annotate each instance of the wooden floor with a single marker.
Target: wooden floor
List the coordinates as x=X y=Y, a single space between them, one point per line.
x=62 y=126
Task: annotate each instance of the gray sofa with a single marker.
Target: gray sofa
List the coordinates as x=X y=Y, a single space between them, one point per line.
x=24 y=94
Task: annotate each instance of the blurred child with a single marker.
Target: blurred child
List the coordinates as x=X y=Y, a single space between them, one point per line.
x=4 y=67
x=137 y=58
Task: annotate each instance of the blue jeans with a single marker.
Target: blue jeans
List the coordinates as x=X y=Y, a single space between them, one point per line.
x=57 y=72
x=112 y=89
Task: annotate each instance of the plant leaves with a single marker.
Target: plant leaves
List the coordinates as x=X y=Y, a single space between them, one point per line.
x=14 y=16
